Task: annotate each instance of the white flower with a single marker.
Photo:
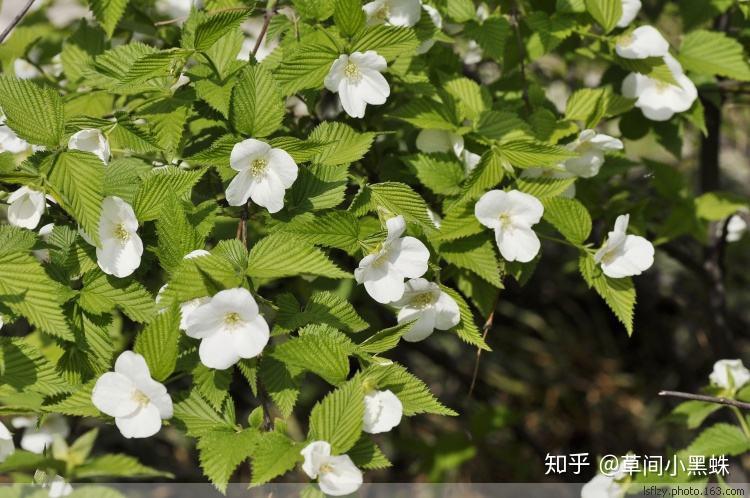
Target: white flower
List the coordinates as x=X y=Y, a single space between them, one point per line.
x=43 y=254
x=432 y=309
x=437 y=20
x=35 y=439
x=630 y=9
x=10 y=142
x=511 y=215
x=357 y=80
x=430 y=141
x=121 y=247
x=91 y=140
x=591 y=147
x=182 y=80
x=6 y=443
x=25 y=70
x=470 y=161
x=724 y=368
x=188 y=307
x=26 y=207
x=603 y=486
x=58 y=488
x=395 y=12
x=230 y=328
x=469 y=51
x=624 y=255
x=383 y=271
x=736 y=228
x=658 y=100
x=129 y=394
x=264 y=173
x=641 y=43
x=336 y=475
x=383 y=411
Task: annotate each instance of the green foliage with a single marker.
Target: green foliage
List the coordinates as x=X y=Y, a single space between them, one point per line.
x=605 y=12
x=257 y=108
x=108 y=13
x=712 y=53
x=338 y=417
x=618 y=293
x=33 y=112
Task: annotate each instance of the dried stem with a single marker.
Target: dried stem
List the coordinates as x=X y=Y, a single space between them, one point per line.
x=707 y=399
x=485 y=330
x=15 y=21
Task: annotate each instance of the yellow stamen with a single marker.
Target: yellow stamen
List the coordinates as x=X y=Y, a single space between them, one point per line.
x=352 y=72
x=258 y=166
x=422 y=300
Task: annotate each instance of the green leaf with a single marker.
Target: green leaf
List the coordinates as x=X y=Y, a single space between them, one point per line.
x=216 y=26
x=158 y=342
x=713 y=53
x=544 y=187
x=618 y=293
x=720 y=439
x=33 y=112
x=177 y=237
x=102 y=293
x=472 y=102
x=257 y=108
x=27 y=290
x=487 y=174
x=527 y=153
x=275 y=454
x=394 y=198
x=304 y=68
x=475 y=253
x=320 y=349
x=318 y=187
x=569 y=217
x=202 y=276
x=491 y=35
x=117 y=465
x=343 y=145
x=384 y=340
x=325 y=308
x=197 y=417
x=338 y=229
x=280 y=382
x=387 y=41
x=412 y=392
x=281 y=255
x=77 y=404
x=122 y=177
x=590 y=105
x=715 y=206
x=108 y=13
x=78 y=179
x=605 y=12
x=221 y=452
x=460 y=11
x=157 y=183
x=653 y=67
x=428 y=114
x=693 y=413
x=466 y=330
x=26 y=370
x=366 y=455
x=441 y=173
x=338 y=417
x=348 y=16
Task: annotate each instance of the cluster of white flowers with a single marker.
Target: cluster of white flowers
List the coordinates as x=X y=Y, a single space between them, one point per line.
x=26 y=207
x=658 y=100
x=729 y=374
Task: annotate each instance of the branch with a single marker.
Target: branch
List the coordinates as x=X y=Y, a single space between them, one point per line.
x=485 y=329
x=708 y=399
x=270 y=11
x=15 y=21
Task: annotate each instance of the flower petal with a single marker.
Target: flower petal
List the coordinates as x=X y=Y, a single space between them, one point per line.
x=243 y=153
x=113 y=395
x=518 y=244
x=143 y=423
x=448 y=313
x=238 y=190
x=343 y=479
x=250 y=340
x=217 y=351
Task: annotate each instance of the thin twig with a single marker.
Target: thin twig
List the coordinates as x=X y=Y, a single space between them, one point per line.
x=485 y=330
x=708 y=399
x=183 y=18
x=15 y=21
x=521 y=59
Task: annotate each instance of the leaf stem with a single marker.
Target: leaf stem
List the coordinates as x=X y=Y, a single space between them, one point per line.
x=485 y=330
x=707 y=399
x=742 y=420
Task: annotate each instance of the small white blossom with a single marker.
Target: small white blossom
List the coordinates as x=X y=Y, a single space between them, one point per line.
x=26 y=207
x=624 y=255
x=641 y=43
x=659 y=101
x=432 y=309
x=43 y=254
x=36 y=439
x=736 y=228
x=630 y=9
x=430 y=141
x=511 y=215
x=6 y=443
x=723 y=369
x=383 y=271
x=437 y=20
x=470 y=161
x=25 y=70
x=91 y=140
x=58 y=488
x=264 y=174
x=591 y=147
x=404 y=13
x=383 y=411
x=603 y=486
x=469 y=51
x=10 y=142
x=129 y=394
x=121 y=247
x=358 y=80
x=230 y=328
x=336 y=475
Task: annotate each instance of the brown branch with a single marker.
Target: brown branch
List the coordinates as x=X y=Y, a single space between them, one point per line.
x=270 y=11
x=485 y=330
x=15 y=21
x=707 y=399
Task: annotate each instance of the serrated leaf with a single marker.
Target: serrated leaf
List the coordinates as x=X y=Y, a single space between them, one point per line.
x=157 y=183
x=325 y=308
x=618 y=293
x=221 y=452
x=117 y=465
x=338 y=229
x=342 y=145
x=475 y=253
x=569 y=217
x=256 y=108
x=158 y=343
x=102 y=293
x=26 y=370
x=720 y=439
x=177 y=237
x=466 y=329
x=412 y=392
x=304 y=68
x=318 y=187
x=491 y=35
x=281 y=255
x=218 y=25
x=605 y=12
x=488 y=173
x=108 y=13
x=366 y=455
x=198 y=417
x=387 y=41
x=396 y=199
x=527 y=153
x=320 y=349
x=713 y=53
x=33 y=112
x=428 y=114
x=338 y=417
x=348 y=16
x=280 y=382
x=78 y=403
x=384 y=340
x=441 y=173
x=275 y=455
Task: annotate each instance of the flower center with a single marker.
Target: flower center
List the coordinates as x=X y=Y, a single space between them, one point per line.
x=625 y=40
x=258 y=166
x=383 y=12
x=662 y=86
x=352 y=72
x=232 y=319
x=505 y=221
x=121 y=233
x=141 y=398
x=422 y=300
x=609 y=256
x=325 y=468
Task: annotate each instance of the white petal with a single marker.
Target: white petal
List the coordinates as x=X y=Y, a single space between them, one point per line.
x=643 y=42
x=343 y=479
x=424 y=325
x=218 y=351
x=409 y=256
x=6 y=443
x=430 y=141
x=383 y=411
x=133 y=366
x=187 y=308
x=238 y=300
x=369 y=60
x=374 y=87
x=404 y=12
x=238 y=190
x=384 y=283
x=117 y=259
x=26 y=208
x=525 y=208
x=243 y=153
x=159 y=397
x=518 y=244
x=58 y=488
x=414 y=287
x=630 y=9
x=395 y=227
x=143 y=423
x=283 y=166
x=91 y=140
x=448 y=314
x=336 y=73
x=352 y=100
x=637 y=256
x=724 y=368
x=315 y=454
x=490 y=206
x=113 y=395
x=250 y=340
x=269 y=193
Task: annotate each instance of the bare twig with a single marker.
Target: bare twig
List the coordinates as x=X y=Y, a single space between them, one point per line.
x=707 y=399
x=485 y=330
x=270 y=11
x=15 y=21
